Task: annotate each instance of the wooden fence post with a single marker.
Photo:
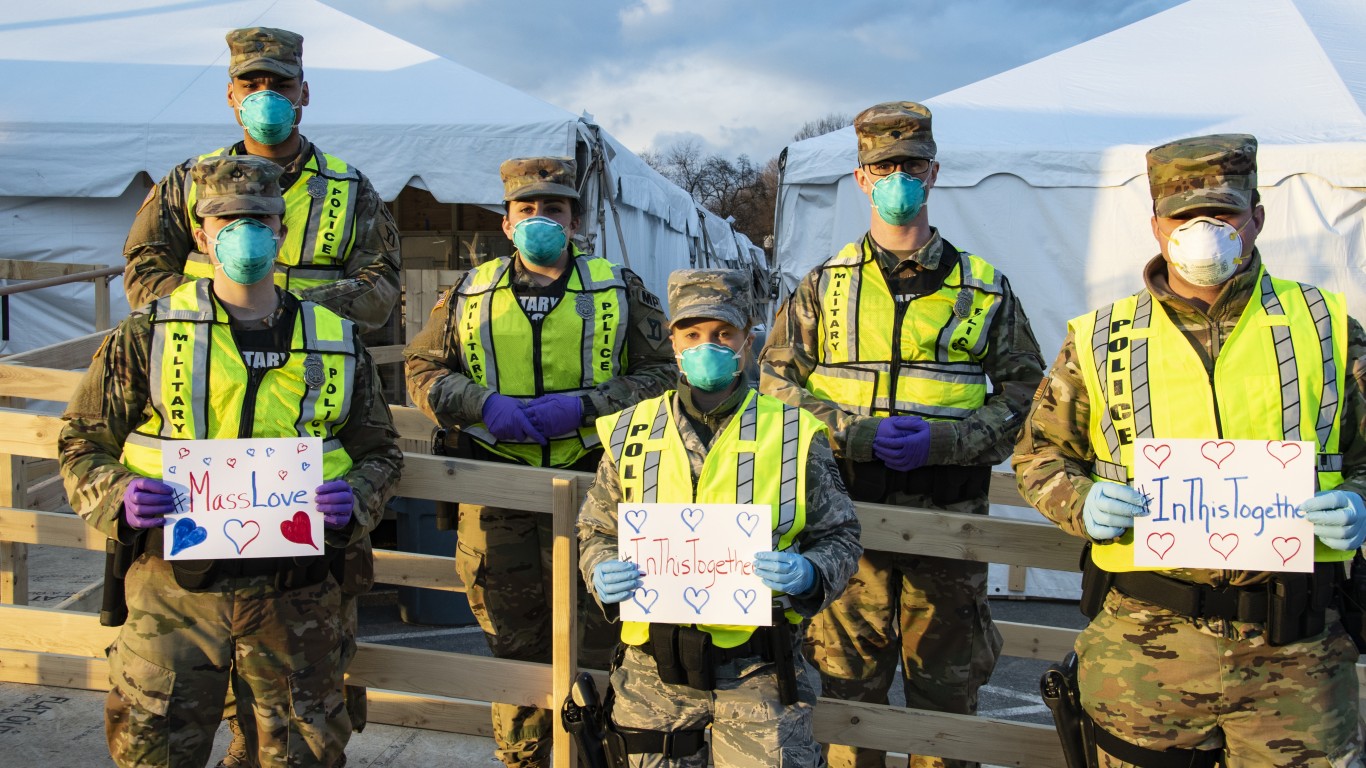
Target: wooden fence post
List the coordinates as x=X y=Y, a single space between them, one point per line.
x=564 y=595
x=13 y=556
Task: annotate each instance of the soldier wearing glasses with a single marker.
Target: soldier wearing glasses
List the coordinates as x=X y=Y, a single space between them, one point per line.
x=919 y=358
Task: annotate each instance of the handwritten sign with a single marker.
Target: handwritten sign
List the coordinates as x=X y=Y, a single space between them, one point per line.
x=1228 y=504
x=243 y=498
x=698 y=561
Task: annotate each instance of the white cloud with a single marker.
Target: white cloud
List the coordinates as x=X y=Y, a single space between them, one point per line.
x=644 y=10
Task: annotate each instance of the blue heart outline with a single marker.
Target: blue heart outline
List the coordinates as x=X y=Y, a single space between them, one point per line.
x=692 y=592
x=643 y=514
x=689 y=512
x=652 y=594
x=750 y=593
x=753 y=523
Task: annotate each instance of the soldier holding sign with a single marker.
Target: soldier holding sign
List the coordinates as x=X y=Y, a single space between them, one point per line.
x=225 y=358
x=717 y=441
x=1179 y=665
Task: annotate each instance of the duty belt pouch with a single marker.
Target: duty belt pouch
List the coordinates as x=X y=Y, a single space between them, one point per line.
x=1295 y=610
x=664 y=647
x=698 y=655
x=1351 y=601
x=865 y=480
x=446 y=511
x=193 y=575
x=300 y=572
x=1095 y=585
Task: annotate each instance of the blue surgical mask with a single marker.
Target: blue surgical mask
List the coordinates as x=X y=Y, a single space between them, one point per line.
x=898 y=198
x=267 y=116
x=710 y=367
x=539 y=240
x=245 y=250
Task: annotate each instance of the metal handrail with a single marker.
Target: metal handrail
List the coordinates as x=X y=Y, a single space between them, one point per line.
x=48 y=282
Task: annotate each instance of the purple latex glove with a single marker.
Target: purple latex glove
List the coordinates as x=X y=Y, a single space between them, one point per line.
x=147 y=502
x=505 y=418
x=335 y=500
x=902 y=442
x=555 y=415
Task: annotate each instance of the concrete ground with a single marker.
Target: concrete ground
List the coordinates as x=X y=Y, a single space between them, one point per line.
x=63 y=728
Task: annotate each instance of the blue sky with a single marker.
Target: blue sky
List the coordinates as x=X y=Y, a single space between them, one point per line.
x=741 y=76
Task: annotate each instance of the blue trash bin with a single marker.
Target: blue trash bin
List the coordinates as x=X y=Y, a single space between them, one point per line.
x=417 y=533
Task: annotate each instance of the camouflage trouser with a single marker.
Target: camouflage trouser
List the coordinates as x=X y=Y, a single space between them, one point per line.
x=749 y=724
x=503 y=557
x=929 y=612
x=1161 y=681
x=282 y=652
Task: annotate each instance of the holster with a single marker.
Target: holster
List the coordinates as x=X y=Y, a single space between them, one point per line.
x=1075 y=729
x=446 y=511
x=118 y=558
x=1095 y=584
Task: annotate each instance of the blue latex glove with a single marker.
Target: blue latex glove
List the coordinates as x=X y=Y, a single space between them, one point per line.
x=1110 y=509
x=505 y=418
x=787 y=572
x=555 y=415
x=335 y=500
x=1339 y=518
x=147 y=502
x=902 y=442
x=615 y=580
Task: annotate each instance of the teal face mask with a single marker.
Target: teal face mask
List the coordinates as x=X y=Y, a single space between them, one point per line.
x=267 y=116
x=539 y=240
x=898 y=198
x=710 y=367
x=245 y=249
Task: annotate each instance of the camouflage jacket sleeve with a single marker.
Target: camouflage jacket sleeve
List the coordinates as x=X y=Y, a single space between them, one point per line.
x=789 y=357
x=1053 y=455
x=1015 y=367
x=597 y=526
x=369 y=290
x=830 y=539
x=370 y=440
x=108 y=403
x=158 y=242
x=437 y=383
x=650 y=367
x=1352 y=437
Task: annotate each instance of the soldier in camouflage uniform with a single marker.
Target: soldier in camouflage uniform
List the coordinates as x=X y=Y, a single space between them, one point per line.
x=270 y=629
x=343 y=249
x=1186 y=683
x=662 y=722
x=892 y=343
x=515 y=363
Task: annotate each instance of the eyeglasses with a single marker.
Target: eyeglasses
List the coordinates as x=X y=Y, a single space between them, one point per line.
x=912 y=165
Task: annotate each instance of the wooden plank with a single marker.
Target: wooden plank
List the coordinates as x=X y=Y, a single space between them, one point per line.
x=102 y=315
x=439 y=673
x=409 y=569
x=564 y=591
x=1016 y=578
x=54 y=669
x=28 y=434
x=980 y=538
x=56 y=529
x=13 y=556
x=66 y=355
x=1033 y=641
x=21 y=269
x=38 y=383
x=87 y=599
x=73 y=633
x=1003 y=490
x=412 y=423
x=433 y=713
x=477 y=482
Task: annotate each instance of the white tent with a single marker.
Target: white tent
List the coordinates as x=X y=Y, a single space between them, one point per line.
x=1043 y=172
x=100 y=91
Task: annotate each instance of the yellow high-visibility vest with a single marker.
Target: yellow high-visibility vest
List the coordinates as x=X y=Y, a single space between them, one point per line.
x=759 y=458
x=578 y=345
x=1278 y=376
x=320 y=221
x=199 y=383
x=923 y=359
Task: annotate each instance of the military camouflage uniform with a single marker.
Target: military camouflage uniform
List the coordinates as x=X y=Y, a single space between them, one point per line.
x=503 y=555
x=1154 y=677
x=749 y=725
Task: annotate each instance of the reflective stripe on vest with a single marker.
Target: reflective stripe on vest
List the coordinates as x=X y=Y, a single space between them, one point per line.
x=192 y=346
x=1278 y=377
x=759 y=458
x=501 y=349
x=930 y=366
x=320 y=221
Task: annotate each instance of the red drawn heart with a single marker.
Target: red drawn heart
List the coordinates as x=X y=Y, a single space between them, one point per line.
x=1286 y=546
x=1223 y=543
x=1283 y=452
x=232 y=463
x=298 y=529
x=282 y=474
x=302 y=447
x=1217 y=452
x=183 y=452
x=1162 y=538
x=1157 y=455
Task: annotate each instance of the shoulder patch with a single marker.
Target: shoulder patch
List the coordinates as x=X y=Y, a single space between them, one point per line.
x=445 y=296
x=1039 y=390
x=649 y=299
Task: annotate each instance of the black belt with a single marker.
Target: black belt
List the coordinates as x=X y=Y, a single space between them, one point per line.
x=1199 y=601
x=671 y=745
x=759 y=644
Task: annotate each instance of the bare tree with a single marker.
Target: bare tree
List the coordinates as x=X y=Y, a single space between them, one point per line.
x=821 y=126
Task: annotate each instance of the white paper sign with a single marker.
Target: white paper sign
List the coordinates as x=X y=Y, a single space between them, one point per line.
x=698 y=561
x=1224 y=504
x=243 y=498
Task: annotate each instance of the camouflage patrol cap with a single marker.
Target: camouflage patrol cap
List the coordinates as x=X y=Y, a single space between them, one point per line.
x=1218 y=171
x=894 y=129
x=265 y=49
x=527 y=177
x=713 y=294
x=229 y=185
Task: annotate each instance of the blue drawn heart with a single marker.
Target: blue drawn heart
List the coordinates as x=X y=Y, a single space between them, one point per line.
x=636 y=519
x=645 y=598
x=747 y=521
x=745 y=598
x=170 y=470
x=186 y=534
x=251 y=452
x=696 y=598
x=692 y=518
x=270 y=451
x=208 y=460
x=306 y=466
